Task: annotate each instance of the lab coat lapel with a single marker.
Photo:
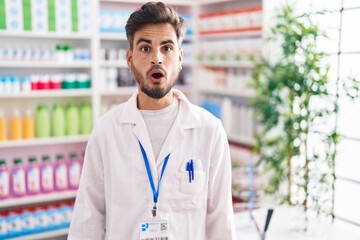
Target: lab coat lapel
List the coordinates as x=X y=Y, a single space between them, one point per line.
x=175 y=137
x=133 y=116
x=186 y=119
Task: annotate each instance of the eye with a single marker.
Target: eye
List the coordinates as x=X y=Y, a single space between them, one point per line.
x=145 y=49
x=167 y=48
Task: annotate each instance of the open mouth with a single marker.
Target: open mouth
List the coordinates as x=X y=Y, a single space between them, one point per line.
x=157 y=75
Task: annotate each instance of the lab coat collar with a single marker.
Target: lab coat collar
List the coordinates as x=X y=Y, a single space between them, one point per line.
x=186 y=119
x=189 y=117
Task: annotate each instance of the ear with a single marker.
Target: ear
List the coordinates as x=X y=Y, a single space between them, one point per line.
x=129 y=53
x=180 y=56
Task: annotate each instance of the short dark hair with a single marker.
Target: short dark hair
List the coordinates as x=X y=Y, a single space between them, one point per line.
x=154 y=13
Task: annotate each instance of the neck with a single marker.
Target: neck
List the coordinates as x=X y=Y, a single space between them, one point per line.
x=145 y=102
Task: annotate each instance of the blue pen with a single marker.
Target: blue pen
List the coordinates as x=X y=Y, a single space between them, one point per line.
x=192 y=170
x=188 y=168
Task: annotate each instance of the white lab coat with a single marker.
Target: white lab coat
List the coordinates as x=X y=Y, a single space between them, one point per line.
x=115 y=193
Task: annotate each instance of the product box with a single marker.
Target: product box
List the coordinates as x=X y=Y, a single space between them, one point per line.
x=84 y=15
x=63 y=16
x=14 y=15
x=39 y=11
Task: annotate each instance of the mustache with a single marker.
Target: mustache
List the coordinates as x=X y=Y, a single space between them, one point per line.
x=156 y=67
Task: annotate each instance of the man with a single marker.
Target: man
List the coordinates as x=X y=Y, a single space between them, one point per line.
x=156 y=167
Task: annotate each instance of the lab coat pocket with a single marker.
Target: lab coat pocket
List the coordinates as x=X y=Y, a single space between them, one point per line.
x=196 y=185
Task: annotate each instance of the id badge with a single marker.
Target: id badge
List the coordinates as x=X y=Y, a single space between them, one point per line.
x=155 y=228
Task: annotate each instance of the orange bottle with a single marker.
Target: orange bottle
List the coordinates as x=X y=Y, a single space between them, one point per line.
x=3 y=126
x=29 y=125
x=16 y=131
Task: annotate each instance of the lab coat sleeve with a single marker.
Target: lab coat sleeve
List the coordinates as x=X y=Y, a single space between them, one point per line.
x=220 y=216
x=88 y=220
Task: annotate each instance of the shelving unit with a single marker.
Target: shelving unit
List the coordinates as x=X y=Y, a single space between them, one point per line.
x=99 y=95
x=44 y=235
x=223 y=89
x=36 y=199
x=49 y=94
x=44 y=141
x=43 y=65
x=45 y=35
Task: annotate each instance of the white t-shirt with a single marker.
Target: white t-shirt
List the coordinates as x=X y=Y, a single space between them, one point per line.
x=158 y=124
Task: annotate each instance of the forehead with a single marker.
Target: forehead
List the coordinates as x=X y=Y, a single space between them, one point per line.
x=156 y=32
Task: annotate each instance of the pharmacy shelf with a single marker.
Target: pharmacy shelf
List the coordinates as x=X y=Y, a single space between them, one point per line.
x=208 y=2
x=121 y=91
x=115 y=64
x=40 y=198
x=44 y=141
x=113 y=36
x=185 y=3
x=46 y=35
x=227 y=92
x=49 y=94
x=248 y=141
x=230 y=34
x=44 y=235
x=39 y=64
x=228 y=64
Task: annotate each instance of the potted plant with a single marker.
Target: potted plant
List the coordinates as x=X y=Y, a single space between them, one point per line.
x=297 y=107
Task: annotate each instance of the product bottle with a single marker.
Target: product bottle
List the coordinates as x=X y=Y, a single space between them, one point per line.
x=29 y=125
x=3 y=225
x=86 y=117
x=18 y=181
x=42 y=121
x=58 y=121
x=61 y=173
x=32 y=177
x=74 y=171
x=3 y=126
x=46 y=175
x=16 y=126
x=4 y=180
x=72 y=119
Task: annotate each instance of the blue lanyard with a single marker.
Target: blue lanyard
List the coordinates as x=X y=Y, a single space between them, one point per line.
x=154 y=190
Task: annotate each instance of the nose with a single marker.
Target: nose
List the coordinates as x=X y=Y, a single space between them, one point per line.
x=157 y=58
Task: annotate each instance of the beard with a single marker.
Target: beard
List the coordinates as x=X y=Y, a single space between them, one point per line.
x=153 y=90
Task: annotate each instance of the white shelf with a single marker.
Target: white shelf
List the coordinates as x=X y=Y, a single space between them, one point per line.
x=227 y=92
x=50 y=94
x=46 y=35
x=40 y=198
x=230 y=34
x=229 y=64
x=44 y=141
x=118 y=92
x=185 y=3
x=44 y=235
x=115 y=64
x=113 y=36
x=207 y=2
x=39 y=64
x=242 y=140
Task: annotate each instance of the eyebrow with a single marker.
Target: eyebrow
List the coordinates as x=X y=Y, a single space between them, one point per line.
x=149 y=41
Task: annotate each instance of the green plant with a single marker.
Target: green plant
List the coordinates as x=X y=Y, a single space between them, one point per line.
x=297 y=107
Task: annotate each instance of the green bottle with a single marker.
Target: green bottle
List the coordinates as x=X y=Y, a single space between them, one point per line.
x=86 y=118
x=58 y=120
x=72 y=119
x=42 y=121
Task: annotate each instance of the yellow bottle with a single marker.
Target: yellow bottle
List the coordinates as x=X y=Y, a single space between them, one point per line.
x=29 y=125
x=3 y=126
x=16 y=129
